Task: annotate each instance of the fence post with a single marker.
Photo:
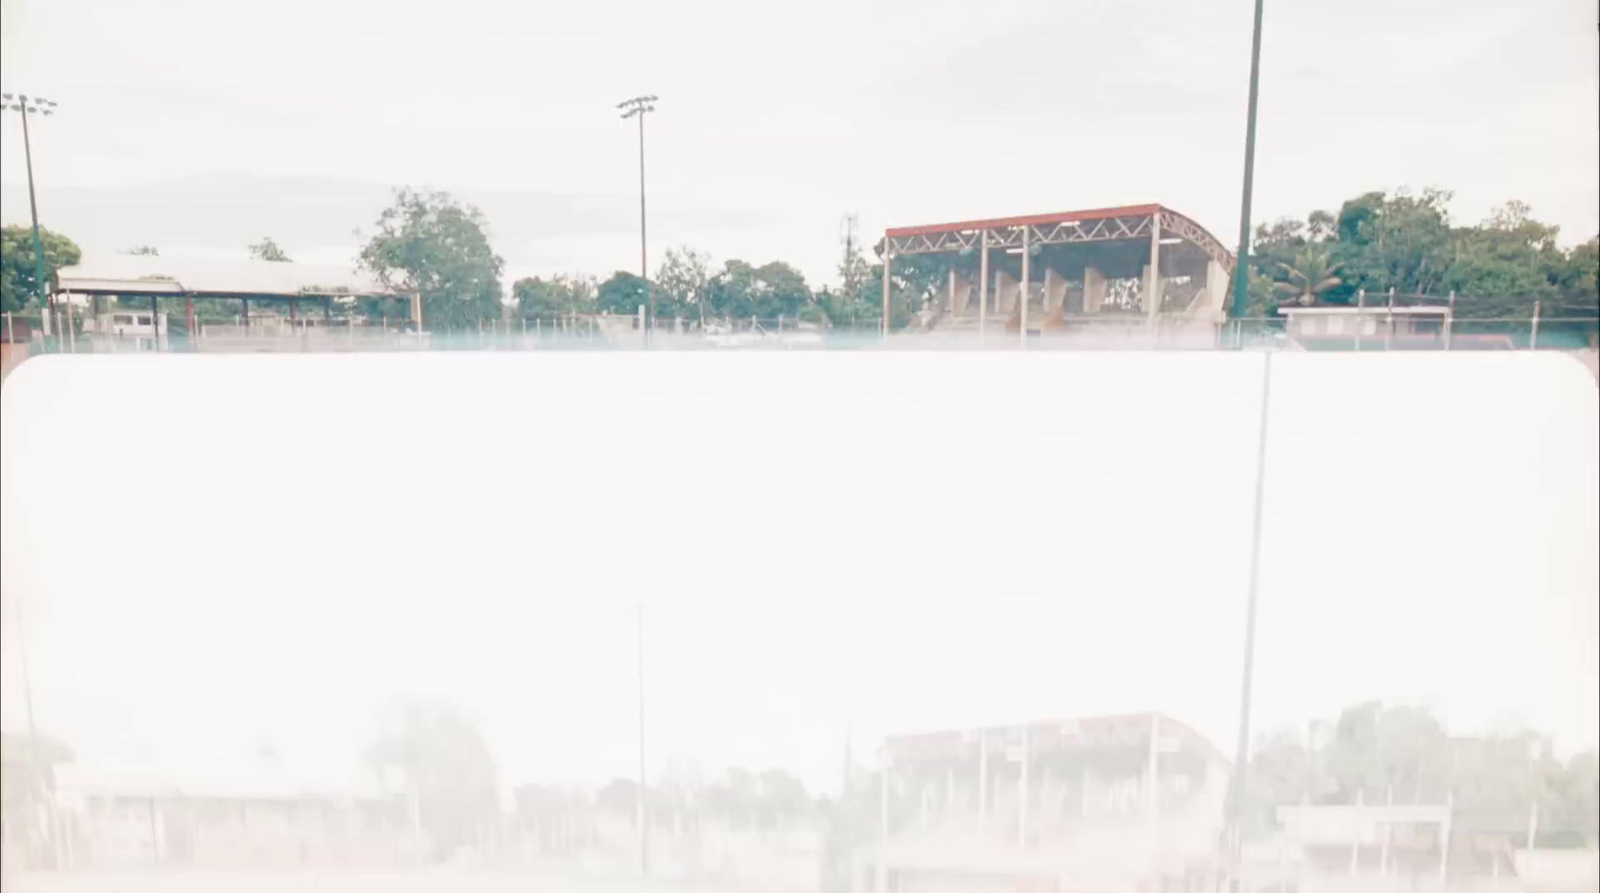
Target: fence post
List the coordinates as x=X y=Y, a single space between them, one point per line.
x=1450 y=320
x=72 y=336
x=1361 y=320
x=1533 y=334
x=1388 y=329
x=11 y=331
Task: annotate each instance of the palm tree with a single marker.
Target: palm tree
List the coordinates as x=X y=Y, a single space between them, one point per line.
x=1310 y=276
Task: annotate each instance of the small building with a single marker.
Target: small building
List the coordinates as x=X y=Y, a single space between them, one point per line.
x=127 y=324
x=1342 y=326
x=1369 y=843
x=261 y=818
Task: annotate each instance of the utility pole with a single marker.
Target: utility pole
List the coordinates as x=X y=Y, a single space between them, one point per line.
x=638 y=107
x=23 y=105
x=642 y=815
x=1241 y=268
x=1236 y=786
x=847 y=235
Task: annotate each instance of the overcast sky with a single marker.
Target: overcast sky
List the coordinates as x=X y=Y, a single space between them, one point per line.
x=215 y=552
x=197 y=126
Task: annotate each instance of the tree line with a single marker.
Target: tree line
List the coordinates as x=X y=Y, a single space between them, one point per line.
x=1379 y=241
x=432 y=243
x=1371 y=753
x=1377 y=753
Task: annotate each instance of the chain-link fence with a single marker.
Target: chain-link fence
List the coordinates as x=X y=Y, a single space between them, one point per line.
x=1372 y=329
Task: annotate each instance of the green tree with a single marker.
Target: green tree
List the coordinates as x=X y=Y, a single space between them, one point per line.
x=682 y=281
x=742 y=291
x=1377 y=749
x=1402 y=241
x=557 y=296
x=856 y=301
x=18 y=288
x=623 y=294
x=1310 y=276
x=447 y=769
x=1506 y=264
x=430 y=243
x=268 y=250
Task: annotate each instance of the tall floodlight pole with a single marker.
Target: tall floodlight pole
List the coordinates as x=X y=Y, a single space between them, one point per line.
x=1241 y=762
x=1241 y=268
x=638 y=107
x=23 y=105
x=642 y=815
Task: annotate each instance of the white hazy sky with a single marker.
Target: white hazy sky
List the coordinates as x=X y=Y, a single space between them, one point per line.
x=196 y=125
x=213 y=552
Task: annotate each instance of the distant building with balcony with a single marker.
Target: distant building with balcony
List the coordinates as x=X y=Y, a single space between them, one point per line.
x=1342 y=325
x=1118 y=803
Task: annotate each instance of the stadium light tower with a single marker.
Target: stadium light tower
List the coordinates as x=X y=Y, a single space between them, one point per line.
x=638 y=107
x=1241 y=267
x=24 y=105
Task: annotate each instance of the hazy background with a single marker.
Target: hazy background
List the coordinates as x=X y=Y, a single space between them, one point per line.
x=216 y=552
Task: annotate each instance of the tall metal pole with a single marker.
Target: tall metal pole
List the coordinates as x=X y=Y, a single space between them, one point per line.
x=638 y=107
x=1236 y=787
x=644 y=264
x=888 y=261
x=1241 y=268
x=32 y=207
x=643 y=816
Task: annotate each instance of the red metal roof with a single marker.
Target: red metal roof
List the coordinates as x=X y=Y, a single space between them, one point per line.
x=1028 y=220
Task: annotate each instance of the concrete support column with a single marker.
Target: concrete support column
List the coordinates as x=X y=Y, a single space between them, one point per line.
x=963 y=292
x=1005 y=293
x=1094 y=290
x=983 y=286
x=1216 y=289
x=1022 y=313
x=1055 y=290
x=1152 y=774
x=983 y=781
x=1022 y=781
x=1083 y=793
x=882 y=885
x=950 y=298
x=1152 y=271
